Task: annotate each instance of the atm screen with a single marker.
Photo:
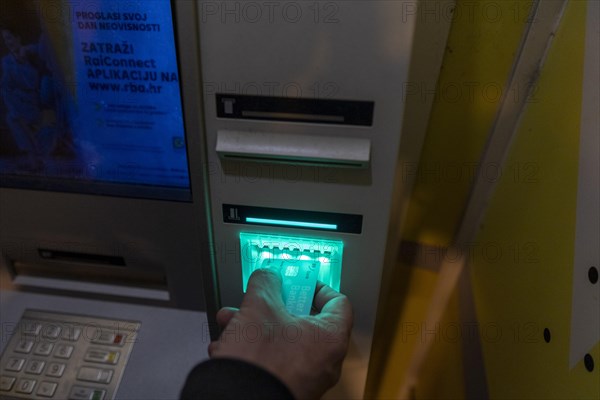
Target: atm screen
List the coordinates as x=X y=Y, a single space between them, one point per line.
x=90 y=99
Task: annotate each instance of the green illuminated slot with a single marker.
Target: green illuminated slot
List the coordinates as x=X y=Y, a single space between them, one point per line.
x=258 y=247
x=282 y=222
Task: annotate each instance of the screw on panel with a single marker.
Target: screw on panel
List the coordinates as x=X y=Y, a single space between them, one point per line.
x=547 y=335
x=588 y=361
x=593 y=274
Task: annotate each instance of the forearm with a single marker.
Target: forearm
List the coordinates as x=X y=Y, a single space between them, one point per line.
x=224 y=378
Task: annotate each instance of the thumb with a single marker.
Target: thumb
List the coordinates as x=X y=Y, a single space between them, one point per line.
x=224 y=315
x=264 y=288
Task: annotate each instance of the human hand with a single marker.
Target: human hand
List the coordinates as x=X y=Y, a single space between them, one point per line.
x=305 y=353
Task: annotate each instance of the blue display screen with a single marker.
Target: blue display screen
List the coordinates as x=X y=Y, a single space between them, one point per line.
x=91 y=99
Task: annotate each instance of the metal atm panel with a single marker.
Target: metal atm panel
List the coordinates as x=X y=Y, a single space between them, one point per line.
x=303 y=109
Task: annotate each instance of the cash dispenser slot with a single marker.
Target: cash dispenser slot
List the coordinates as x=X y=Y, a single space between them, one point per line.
x=60 y=255
x=337 y=152
x=87 y=267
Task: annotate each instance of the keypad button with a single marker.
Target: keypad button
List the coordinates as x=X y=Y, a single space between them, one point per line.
x=43 y=349
x=86 y=393
x=35 y=367
x=31 y=328
x=102 y=356
x=46 y=389
x=108 y=338
x=55 y=370
x=24 y=346
x=6 y=383
x=51 y=331
x=25 y=386
x=14 y=364
x=71 y=333
x=63 y=351
x=94 y=375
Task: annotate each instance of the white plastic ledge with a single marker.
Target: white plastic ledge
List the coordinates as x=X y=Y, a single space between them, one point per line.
x=340 y=152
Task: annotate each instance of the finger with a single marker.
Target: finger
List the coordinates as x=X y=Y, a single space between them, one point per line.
x=224 y=315
x=329 y=302
x=264 y=285
x=323 y=294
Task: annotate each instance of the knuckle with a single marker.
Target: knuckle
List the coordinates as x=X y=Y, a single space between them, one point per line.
x=262 y=276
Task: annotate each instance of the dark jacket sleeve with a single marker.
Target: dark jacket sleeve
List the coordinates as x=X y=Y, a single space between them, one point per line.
x=223 y=378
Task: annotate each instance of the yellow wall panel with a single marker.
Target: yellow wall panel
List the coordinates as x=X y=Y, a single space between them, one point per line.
x=483 y=40
x=441 y=376
x=523 y=283
x=420 y=289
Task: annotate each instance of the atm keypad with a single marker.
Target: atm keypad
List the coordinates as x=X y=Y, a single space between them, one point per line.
x=63 y=356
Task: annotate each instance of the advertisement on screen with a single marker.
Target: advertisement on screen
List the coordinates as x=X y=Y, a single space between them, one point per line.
x=90 y=95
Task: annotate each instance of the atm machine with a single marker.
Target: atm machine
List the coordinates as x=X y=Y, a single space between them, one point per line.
x=213 y=136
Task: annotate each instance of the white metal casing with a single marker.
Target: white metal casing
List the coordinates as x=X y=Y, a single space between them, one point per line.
x=349 y=50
